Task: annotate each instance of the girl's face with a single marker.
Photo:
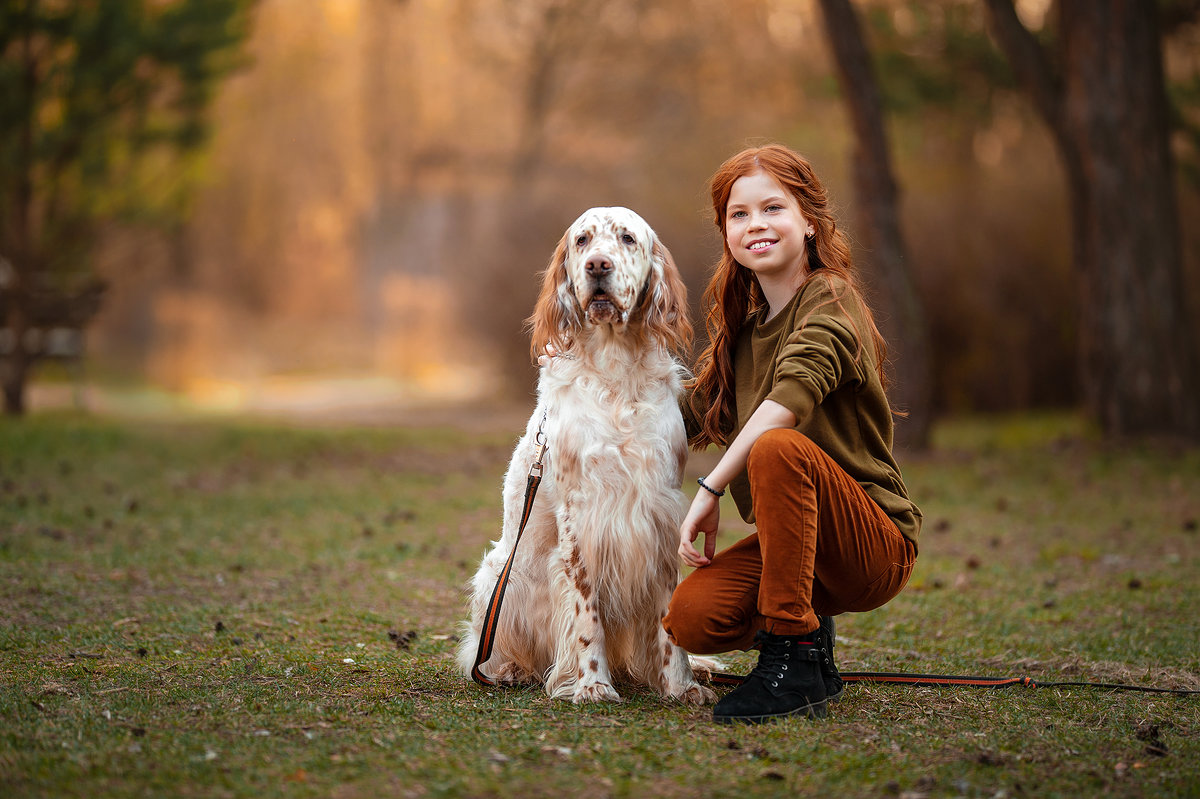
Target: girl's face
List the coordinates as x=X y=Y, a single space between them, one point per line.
x=765 y=230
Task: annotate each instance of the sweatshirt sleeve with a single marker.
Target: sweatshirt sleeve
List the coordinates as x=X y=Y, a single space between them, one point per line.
x=821 y=355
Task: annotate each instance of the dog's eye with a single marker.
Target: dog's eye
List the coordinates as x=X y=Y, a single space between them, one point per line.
x=628 y=239
x=582 y=240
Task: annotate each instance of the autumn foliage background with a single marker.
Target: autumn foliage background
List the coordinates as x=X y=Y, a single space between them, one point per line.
x=385 y=178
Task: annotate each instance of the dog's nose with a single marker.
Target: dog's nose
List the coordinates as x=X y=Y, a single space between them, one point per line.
x=598 y=265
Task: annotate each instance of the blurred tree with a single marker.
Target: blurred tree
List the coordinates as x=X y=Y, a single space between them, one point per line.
x=102 y=113
x=969 y=157
x=607 y=103
x=903 y=320
x=1102 y=94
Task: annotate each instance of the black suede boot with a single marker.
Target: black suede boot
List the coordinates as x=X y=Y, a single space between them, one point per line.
x=786 y=682
x=833 y=680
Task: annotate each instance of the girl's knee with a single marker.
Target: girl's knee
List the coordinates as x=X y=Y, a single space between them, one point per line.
x=694 y=624
x=698 y=634
x=781 y=446
x=684 y=619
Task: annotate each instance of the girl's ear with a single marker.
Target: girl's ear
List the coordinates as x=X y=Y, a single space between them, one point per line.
x=666 y=302
x=555 y=317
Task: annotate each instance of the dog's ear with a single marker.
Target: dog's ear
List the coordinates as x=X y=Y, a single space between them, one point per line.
x=665 y=302
x=555 y=316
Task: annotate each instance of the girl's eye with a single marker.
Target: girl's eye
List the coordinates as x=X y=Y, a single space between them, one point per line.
x=737 y=214
x=627 y=238
x=774 y=207
x=582 y=240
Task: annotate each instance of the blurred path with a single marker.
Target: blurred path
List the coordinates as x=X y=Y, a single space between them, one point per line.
x=367 y=401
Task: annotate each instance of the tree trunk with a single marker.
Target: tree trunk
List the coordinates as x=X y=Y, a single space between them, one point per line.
x=1139 y=361
x=902 y=319
x=14 y=368
x=1139 y=366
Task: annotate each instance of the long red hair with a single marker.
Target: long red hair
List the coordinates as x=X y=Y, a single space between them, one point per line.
x=733 y=292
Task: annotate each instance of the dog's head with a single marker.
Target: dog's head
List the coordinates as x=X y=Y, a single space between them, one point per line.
x=611 y=269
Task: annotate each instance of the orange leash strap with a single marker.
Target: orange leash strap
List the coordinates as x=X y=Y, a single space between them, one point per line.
x=491 y=619
x=929 y=680
x=950 y=681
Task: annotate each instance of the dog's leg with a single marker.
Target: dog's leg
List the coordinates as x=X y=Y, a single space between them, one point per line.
x=481 y=586
x=677 y=680
x=594 y=682
x=514 y=648
x=502 y=666
x=581 y=671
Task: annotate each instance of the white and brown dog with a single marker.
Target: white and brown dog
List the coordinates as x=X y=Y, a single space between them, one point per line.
x=597 y=563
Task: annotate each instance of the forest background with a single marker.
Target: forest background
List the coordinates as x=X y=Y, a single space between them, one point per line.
x=384 y=179
x=340 y=207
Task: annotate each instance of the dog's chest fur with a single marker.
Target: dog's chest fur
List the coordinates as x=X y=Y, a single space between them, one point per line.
x=615 y=426
x=616 y=453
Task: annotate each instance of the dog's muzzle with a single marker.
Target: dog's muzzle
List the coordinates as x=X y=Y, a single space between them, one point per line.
x=602 y=309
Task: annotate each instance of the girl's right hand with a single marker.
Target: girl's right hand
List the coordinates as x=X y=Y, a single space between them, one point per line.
x=551 y=352
x=703 y=516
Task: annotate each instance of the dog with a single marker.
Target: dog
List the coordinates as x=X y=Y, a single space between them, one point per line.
x=597 y=564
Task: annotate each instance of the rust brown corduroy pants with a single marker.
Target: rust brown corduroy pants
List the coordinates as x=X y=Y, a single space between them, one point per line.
x=822 y=546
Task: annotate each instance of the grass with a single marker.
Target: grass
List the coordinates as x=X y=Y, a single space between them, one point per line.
x=222 y=608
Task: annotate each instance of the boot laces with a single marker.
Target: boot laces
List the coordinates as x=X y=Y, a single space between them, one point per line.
x=774 y=659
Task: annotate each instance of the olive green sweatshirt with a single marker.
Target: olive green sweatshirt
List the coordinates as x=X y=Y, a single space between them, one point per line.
x=817 y=359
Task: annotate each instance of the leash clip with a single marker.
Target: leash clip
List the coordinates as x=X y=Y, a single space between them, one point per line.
x=535 y=470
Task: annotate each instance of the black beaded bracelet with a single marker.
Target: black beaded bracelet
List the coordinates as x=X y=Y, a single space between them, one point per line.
x=700 y=482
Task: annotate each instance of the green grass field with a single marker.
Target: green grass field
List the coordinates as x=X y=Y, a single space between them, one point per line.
x=225 y=608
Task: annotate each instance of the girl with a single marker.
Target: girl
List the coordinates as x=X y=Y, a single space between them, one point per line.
x=792 y=385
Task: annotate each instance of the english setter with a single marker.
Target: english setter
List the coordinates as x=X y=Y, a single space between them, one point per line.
x=597 y=562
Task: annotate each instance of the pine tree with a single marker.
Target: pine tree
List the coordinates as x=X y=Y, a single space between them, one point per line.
x=103 y=109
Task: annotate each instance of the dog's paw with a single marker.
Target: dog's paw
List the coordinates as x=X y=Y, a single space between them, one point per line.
x=695 y=694
x=595 y=692
x=703 y=667
x=510 y=673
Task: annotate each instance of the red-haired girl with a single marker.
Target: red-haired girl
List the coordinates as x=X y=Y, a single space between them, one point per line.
x=792 y=385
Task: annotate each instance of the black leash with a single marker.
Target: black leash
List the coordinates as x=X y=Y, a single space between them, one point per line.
x=491 y=619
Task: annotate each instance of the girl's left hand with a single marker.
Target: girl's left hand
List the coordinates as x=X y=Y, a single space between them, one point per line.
x=702 y=517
